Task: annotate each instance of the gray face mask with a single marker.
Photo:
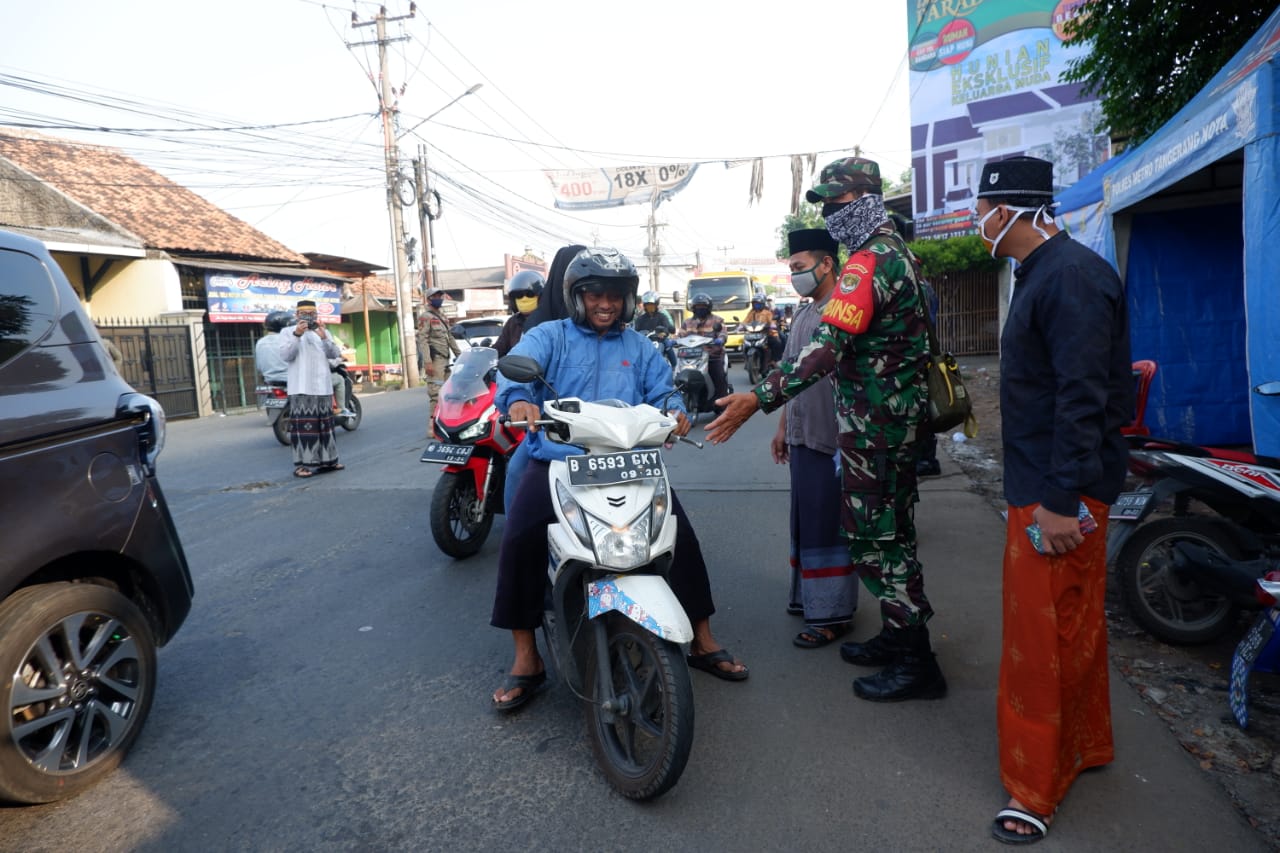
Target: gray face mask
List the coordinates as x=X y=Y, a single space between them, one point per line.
x=806 y=281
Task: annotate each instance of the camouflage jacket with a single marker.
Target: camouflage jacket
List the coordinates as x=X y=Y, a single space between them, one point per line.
x=873 y=336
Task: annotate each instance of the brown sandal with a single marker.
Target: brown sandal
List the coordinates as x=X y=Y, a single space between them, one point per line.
x=303 y=472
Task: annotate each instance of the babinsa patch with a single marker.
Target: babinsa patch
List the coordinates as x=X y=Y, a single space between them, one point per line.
x=853 y=304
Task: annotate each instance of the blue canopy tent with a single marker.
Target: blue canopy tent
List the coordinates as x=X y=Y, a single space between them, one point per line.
x=1191 y=220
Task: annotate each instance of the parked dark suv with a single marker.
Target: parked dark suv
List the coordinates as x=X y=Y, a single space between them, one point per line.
x=92 y=575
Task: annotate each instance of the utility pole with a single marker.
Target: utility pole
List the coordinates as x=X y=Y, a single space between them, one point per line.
x=424 y=220
x=404 y=285
x=654 y=250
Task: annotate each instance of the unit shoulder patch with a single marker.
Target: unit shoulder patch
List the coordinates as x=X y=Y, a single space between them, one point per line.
x=852 y=306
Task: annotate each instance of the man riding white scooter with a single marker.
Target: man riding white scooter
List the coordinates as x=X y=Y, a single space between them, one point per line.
x=593 y=355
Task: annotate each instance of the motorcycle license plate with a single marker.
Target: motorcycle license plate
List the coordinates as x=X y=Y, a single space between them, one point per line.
x=448 y=454
x=687 y=352
x=1130 y=506
x=604 y=469
x=1246 y=655
x=274 y=402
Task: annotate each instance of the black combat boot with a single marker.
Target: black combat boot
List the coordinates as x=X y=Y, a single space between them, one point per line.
x=881 y=650
x=915 y=675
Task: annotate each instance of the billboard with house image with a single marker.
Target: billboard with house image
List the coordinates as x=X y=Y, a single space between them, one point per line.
x=986 y=83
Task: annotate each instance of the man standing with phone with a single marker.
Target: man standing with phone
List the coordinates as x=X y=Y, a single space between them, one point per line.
x=1066 y=389
x=307 y=350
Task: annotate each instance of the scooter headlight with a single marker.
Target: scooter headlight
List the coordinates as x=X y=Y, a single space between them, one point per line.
x=658 y=510
x=624 y=547
x=573 y=514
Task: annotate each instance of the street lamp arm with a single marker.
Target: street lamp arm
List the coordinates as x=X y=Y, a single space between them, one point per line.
x=470 y=91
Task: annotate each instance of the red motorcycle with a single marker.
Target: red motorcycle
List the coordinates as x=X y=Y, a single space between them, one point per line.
x=474 y=449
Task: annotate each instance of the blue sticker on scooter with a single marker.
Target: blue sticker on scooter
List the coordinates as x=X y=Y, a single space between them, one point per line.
x=603 y=596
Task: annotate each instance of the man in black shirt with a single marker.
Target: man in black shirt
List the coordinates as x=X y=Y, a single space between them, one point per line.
x=1066 y=389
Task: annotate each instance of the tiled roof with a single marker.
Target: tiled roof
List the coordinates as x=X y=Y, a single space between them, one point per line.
x=119 y=188
x=376 y=286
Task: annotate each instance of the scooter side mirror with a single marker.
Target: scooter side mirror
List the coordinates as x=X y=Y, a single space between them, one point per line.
x=1268 y=389
x=520 y=368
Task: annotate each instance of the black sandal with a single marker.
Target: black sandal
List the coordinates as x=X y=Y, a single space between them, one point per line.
x=303 y=472
x=812 y=637
x=335 y=466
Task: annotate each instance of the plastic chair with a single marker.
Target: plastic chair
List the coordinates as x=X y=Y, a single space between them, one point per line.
x=1143 y=372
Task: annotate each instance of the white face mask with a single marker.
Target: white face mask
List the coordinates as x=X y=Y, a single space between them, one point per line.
x=806 y=281
x=993 y=244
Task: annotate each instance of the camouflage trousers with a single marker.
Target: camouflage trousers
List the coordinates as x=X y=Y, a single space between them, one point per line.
x=877 y=516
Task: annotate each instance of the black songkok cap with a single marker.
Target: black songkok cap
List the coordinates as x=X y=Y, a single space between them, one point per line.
x=306 y=303
x=812 y=240
x=1017 y=176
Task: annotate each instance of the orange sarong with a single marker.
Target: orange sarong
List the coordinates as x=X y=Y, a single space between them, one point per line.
x=1053 y=709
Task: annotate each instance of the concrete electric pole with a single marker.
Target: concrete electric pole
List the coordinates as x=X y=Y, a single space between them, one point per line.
x=404 y=285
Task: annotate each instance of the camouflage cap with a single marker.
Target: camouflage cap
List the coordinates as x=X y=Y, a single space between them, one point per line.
x=846 y=175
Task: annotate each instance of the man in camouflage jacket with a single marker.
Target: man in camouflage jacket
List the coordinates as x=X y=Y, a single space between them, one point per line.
x=435 y=343
x=873 y=336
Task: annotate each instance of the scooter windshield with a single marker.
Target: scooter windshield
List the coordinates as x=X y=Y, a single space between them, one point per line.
x=471 y=373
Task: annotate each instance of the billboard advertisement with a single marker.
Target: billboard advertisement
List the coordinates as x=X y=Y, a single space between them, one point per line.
x=986 y=83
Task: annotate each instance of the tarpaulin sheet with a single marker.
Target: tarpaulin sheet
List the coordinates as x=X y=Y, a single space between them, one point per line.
x=1188 y=317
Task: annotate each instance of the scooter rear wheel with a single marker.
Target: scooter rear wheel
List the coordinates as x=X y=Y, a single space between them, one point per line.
x=352 y=423
x=453 y=523
x=642 y=746
x=281 y=427
x=1172 y=604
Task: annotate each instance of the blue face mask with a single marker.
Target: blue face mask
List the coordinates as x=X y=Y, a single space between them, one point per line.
x=435 y=302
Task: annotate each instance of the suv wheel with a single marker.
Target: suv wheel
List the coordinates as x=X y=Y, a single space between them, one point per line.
x=77 y=676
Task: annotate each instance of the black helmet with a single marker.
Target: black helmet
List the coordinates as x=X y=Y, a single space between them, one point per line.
x=528 y=282
x=278 y=320
x=602 y=270
x=700 y=299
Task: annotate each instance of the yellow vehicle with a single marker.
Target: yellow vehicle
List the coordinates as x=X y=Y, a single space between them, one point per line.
x=730 y=294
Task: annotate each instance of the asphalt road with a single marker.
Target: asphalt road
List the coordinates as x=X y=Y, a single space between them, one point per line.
x=330 y=689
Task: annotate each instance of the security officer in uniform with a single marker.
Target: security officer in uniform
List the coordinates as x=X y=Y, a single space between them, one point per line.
x=873 y=337
x=435 y=342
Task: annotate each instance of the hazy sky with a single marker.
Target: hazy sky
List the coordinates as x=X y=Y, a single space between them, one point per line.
x=566 y=84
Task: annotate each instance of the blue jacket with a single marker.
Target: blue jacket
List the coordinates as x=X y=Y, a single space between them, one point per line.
x=621 y=364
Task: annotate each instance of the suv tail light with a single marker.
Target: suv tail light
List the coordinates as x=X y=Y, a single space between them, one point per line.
x=151 y=430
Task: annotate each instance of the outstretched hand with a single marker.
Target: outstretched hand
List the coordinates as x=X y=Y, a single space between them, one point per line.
x=737 y=408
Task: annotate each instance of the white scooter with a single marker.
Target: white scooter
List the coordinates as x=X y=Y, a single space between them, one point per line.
x=614 y=627
x=693 y=374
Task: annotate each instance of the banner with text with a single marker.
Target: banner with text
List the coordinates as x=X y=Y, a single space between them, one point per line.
x=249 y=297
x=582 y=189
x=986 y=78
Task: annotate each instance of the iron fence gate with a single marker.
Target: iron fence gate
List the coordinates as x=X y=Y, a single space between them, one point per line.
x=232 y=373
x=968 y=312
x=158 y=361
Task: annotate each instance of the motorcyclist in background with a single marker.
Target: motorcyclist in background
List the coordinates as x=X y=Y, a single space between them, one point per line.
x=654 y=319
x=703 y=322
x=266 y=352
x=523 y=292
x=761 y=313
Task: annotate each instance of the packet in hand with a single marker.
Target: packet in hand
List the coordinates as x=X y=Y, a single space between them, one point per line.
x=1087 y=525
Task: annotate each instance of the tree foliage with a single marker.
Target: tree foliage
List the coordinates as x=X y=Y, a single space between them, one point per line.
x=956 y=254
x=1148 y=58
x=810 y=216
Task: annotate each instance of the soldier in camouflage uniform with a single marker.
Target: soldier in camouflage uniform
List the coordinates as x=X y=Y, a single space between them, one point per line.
x=873 y=336
x=435 y=343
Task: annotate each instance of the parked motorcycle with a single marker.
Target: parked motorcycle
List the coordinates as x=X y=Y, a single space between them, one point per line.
x=755 y=350
x=474 y=449
x=274 y=398
x=1259 y=651
x=613 y=625
x=693 y=374
x=1185 y=576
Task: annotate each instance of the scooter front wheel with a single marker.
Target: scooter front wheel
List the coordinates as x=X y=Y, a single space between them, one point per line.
x=1172 y=604
x=453 y=519
x=642 y=743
